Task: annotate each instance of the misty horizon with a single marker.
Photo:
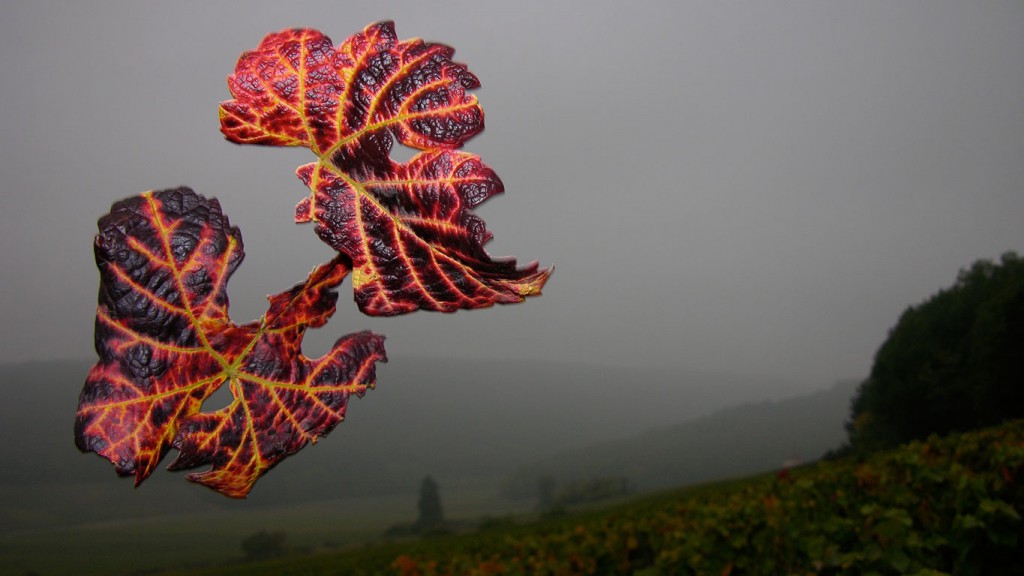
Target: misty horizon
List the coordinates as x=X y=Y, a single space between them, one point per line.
x=739 y=200
x=744 y=188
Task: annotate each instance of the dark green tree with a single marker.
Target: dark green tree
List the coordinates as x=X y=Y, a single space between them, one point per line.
x=953 y=363
x=431 y=514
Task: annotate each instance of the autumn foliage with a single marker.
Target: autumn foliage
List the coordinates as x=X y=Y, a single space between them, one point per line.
x=408 y=228
x=405 y=230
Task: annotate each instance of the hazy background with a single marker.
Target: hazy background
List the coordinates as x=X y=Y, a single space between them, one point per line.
x=739 y=197
x=749 y=187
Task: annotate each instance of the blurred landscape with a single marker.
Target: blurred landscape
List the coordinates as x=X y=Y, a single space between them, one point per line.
x=487 y=431
x=491 y=444
x=728 y=191
x=473 y=448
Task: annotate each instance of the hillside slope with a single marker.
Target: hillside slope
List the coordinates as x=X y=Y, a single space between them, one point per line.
x=946 y=506
x=415 y=423
x=736 y=441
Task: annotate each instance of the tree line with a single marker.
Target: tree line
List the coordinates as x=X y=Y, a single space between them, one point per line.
x=953 y=363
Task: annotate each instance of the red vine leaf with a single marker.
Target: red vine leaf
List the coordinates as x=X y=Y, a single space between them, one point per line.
x=407 y=228
x=297 y=89
x=166 y=343
x=412 y=239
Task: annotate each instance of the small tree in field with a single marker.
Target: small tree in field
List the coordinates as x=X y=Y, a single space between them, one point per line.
x=431 y=513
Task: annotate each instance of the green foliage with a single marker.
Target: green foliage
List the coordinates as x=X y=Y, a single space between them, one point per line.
x=952 y=363
x=943 y=506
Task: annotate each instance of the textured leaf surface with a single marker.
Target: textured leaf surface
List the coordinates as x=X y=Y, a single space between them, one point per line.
x=166 y=343
x=407 y=228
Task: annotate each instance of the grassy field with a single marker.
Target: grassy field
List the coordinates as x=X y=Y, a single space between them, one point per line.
x=946 y=506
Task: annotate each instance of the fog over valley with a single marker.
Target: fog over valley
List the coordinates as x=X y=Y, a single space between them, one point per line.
x=739 y=201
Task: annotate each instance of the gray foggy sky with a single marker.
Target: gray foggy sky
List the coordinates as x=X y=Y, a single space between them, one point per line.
x=750 y=187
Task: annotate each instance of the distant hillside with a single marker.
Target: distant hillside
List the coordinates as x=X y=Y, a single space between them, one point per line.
x=737 y=441
x=949 y=505
x=459 y=421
